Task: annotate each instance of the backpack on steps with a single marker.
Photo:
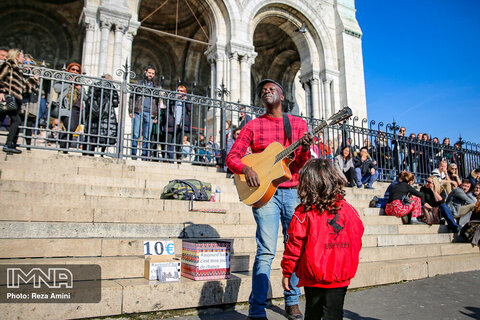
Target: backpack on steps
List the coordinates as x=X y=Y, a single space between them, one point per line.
x=188 y=189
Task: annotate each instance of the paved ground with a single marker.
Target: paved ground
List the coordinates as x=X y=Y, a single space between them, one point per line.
x=448 y=297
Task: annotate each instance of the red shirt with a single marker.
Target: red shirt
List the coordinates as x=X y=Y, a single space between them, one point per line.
x=259 y=133
x=322 y=248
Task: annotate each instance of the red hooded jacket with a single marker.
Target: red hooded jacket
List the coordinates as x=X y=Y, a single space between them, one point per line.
x=323 y=248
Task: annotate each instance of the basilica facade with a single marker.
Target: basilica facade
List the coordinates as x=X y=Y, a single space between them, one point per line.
x=312 y=47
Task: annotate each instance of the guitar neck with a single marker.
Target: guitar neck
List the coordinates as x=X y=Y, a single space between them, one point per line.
x=291 y=148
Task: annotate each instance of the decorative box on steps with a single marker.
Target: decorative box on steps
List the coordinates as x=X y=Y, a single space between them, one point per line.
x=206 y=259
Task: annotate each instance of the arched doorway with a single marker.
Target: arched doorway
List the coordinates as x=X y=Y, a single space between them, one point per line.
x=46 y=29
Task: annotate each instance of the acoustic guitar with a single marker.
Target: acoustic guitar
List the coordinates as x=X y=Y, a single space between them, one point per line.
x=271 y=166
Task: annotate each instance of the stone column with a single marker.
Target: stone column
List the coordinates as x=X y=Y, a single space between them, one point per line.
x=213 y=73
x=220 y=68
x=105 y=26
x=245 y=82
x=234 y=88
x=328 y=97
x=308 y=98
x=315 y=98
x=88 y=46
x=118 y=47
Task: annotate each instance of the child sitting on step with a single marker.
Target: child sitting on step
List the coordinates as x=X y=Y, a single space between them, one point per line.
x=324 y=241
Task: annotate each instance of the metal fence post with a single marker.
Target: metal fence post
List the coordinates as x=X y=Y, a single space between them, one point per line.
x=127 y=74
x=222 y=92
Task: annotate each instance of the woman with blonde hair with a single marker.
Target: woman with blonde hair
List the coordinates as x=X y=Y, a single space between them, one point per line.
x=405 y=201
x=13 y=84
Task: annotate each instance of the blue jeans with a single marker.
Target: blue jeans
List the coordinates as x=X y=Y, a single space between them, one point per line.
x=146 y=121
x=368 y=179
x=447 y=214
x=280 y=208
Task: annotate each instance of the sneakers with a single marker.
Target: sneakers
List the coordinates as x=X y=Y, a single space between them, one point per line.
x=293 y=312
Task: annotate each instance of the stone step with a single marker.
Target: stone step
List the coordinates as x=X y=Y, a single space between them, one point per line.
x=111 y=304
x=96 y=247
x=78 y=176
x=124 y=267
x=77 y=200
x=27 y=247
x=171 y=212
x=62 y=188
x=140 y=295
x=19 y=229
x=14 y=229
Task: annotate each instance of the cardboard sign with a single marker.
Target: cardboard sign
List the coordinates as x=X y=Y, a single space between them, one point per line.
x=154 y=263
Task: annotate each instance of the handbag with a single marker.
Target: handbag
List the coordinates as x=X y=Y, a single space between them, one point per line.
x=9 y=102
x=430 y=216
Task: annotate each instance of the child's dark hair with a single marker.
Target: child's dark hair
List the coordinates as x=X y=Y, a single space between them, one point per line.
x=320 y=185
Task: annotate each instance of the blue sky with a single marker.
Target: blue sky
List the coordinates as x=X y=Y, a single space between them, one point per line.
x=422 y=64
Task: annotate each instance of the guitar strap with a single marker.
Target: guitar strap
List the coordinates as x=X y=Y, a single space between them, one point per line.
x=287 y=127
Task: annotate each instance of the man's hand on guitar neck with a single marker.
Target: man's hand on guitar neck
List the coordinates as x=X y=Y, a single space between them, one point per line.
x=307 y=141
x=251 y=176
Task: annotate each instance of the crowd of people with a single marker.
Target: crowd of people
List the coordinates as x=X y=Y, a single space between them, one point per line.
x=444 y=197
x=70 y=115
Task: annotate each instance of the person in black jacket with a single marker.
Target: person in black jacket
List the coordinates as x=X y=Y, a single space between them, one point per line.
x=404 y=201
x=365 y=169
x=178 y=122
x=100 y=113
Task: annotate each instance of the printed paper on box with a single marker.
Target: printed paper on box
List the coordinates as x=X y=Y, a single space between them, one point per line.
x=213 y=260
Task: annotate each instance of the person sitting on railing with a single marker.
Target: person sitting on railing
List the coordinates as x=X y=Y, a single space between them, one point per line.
x=458 y=201
x=343 y=163
x=100 y=113
x=435 y=204
x=71 y=96
x=365 y=169
x=405 y=201
x=14 y=84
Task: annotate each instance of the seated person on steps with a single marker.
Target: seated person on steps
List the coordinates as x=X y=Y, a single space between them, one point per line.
x=459 y=203
x=344 y=166
x=365 y=169
x=435 y=202
x=405 y=201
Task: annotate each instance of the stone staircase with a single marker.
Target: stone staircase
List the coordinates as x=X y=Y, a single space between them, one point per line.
x=70 y=209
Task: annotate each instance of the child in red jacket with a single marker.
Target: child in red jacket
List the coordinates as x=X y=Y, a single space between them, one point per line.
x=324 y=241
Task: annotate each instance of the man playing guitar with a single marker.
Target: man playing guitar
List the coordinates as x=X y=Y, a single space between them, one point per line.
x=258 y=134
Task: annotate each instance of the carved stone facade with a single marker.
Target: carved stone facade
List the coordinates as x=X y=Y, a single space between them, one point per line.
x=312 y=47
